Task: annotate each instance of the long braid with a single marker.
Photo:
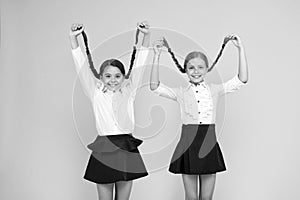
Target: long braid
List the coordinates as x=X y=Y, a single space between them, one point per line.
x=89 y=56
x=133 y=54
x=226 y=40
x=181 y=69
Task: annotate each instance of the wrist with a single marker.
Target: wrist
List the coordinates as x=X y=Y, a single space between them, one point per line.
x=240 y=47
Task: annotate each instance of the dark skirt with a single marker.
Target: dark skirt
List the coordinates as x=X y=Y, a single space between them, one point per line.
x=115 y=158
x=197 y=151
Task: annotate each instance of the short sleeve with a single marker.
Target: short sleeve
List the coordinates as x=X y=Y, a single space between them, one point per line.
x=232 y=85
x=165 y=91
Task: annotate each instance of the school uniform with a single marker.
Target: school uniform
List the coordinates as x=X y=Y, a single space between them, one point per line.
x=198 y=151
x=115 y=155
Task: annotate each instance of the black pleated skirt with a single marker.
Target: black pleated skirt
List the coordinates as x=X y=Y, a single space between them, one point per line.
x=115 y=158
x=197 y=151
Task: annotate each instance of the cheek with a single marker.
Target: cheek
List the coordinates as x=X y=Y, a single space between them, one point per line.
x=105 y=80
x=189 y=72
x=120 y=80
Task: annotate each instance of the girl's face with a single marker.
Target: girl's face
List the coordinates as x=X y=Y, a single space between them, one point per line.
x=112 y=78
x=196 y=70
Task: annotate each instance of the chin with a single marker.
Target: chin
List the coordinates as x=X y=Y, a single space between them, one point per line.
x=196 y=80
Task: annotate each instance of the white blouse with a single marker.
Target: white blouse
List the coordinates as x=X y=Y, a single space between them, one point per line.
x=203 y=97
x=114 y=111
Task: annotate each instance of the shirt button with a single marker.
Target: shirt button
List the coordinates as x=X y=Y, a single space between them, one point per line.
x=198 y=101
x=198 y=112
x=197 y=91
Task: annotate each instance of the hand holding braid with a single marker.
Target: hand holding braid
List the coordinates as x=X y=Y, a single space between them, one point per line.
x=76 y=30
x=228 y=38
x=157 y=46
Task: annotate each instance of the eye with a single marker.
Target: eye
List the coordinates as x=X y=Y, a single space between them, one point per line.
x=118 y=76
x=107 y=75
x=191 y=67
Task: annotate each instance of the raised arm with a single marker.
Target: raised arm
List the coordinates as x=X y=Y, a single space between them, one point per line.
x=154 y=76
x=241 y=78
x=242 y=66
x=155 y=85
x=86 y=77
x=142 y=53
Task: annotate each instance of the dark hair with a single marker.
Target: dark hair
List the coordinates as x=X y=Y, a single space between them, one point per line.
x=89 y=56
x=166 y=44
x=112 y=62
x=109 y=62
x=194 y=54
x=225 y=41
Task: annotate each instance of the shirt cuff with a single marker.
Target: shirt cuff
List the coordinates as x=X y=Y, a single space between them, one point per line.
x=158 y=90
x=165 y=91
x=76 y=51
x=238 y=82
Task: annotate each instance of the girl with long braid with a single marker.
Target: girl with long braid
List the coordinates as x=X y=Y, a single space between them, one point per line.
x=198 y=154
x=115 y=160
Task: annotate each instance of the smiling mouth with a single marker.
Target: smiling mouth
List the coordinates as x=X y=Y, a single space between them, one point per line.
x=113 y=85
x=196 y=76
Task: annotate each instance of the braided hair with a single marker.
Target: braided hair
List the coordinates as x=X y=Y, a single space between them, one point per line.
x=133 y=54
x=195 y=54
x=226 y=40
x=112 y=62
x=89 y=56
x=181 y=69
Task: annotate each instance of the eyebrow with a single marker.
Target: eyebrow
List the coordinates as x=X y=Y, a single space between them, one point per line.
x=196 y=65
x=107 y=73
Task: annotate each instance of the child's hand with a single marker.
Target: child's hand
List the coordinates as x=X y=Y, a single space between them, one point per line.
x=235 y=39
x=158 y=45
x=143 y=27
x=76 y=29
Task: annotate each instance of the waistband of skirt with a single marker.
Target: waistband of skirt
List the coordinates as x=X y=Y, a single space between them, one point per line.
x=198 y=125
x=111 y=143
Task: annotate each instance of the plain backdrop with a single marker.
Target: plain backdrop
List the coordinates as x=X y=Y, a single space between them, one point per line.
x=41 y=155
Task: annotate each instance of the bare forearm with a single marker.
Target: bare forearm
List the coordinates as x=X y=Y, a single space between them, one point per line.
x=243 y=66
x=74 y=41
x=146 y=40
x=154 y=77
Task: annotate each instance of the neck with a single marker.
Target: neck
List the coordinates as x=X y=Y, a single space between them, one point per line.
x=194 y=83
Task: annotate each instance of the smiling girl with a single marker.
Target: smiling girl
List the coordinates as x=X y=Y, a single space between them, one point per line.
x=115 y=160
x=198 y=155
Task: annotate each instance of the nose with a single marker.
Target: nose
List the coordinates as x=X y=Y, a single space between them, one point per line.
x=113 y=80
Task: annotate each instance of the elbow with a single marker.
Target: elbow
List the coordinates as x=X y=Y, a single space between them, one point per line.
x=153 y=86
x=243 y=79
